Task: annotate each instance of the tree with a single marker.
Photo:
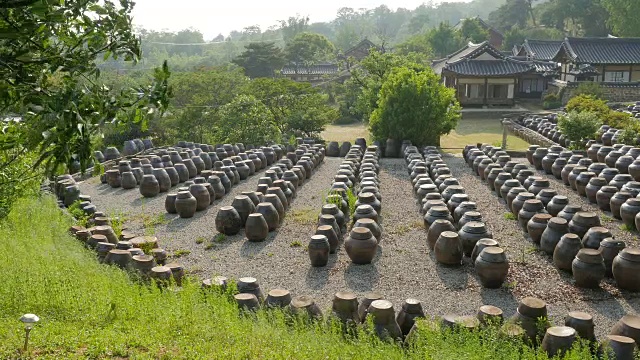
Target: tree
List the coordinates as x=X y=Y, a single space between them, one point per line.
x=579 y=127
x=513 y=13
x=444 y=40
x=49 y=76
x=414 y=106
x=293 y=26
x=472 y=30
x=417 y=44
x=623 y=17
x=260 y=59
x=246 y=120
x=308 y=48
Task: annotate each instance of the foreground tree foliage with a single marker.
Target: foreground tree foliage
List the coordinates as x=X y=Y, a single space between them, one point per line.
x=414 y=105
x=246 y=119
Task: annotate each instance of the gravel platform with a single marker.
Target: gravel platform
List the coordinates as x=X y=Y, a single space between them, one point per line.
x=532 y=272
x=403 y=267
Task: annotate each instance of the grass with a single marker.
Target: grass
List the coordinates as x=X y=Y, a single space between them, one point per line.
x=295 y=243
x=509 y=216
x=180 y=253
x=348 y=132
x=306 y=216
x=92 y=310
x=472 y=131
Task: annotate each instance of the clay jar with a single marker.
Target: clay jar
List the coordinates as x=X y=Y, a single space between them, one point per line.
x=594 y=237
x=530 y=151
x=566 y=251
x=604 y=196
x=556 y=168
x=185 y=204
x=513 y=193
x=128 y=180
x=164 y=181
x=149 y=186
x=369 y=199
x=200 y=192
x=574 y=176
x=507 y=186
x=170 y=203
x=537 y=157
x=626 y=269
x=558 y=340
x=548 y=161
x=500 y=180
x=538 y=185
x=492 y=267
x=435 y=213
x=592 y=188
x=634 y=170
x=610 y=248
x=228 y=221
x=569 y=212
x=588 y=268
x=582 y=221
x=566 y=171
x=256 y=228
x=371 y=225
x=491 y=178
x=438 y=227
x=361 y=246
x=410 y=311
x=463 y=208
x=556 y=228
x=519 y=201
x=470 y=233
x=616 y=202
x=468 y=217
x=318 y=250
x=529 y=209
x=448 y=249
x=365 y=211
x=582 y=180
x=270 y=215
x=244 y=206
x=384 y=322
x=536 y=226
x=329 y=232
x=628 y=212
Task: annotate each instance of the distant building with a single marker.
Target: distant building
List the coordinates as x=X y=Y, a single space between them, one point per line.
x=360 y=50
x=312 y=73
x=544 y=50
x=484 y=76
x=496 y=38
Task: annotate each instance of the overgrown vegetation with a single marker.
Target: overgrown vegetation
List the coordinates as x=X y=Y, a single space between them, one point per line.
x=579 y=127
x=119 y=316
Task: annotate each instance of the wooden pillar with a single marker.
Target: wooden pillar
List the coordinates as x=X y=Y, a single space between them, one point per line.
x=486 y=90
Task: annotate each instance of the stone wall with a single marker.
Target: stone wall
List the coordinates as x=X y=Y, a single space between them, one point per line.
x=612 y=92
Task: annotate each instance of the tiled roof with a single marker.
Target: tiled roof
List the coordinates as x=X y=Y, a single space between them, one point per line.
x=542 y=49
x=584 y=69
x=545 y=66
x=601 y=50
x=489 y=67
x=468 y=52
x=320 y=69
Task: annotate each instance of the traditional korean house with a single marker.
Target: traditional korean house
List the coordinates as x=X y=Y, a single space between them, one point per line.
x=542 y=50
x=312 y=73
x=484 y=76
x=605 y=60
x=360 y=51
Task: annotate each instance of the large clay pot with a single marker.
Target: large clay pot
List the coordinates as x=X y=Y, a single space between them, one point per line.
x=149 y=186
x=244 y=206
x=270 y=215
x=507 y=186
x=530 y=151
x=275 y=201
x=556 y=228
x=556 y=204
x=256 y=228
x=518 y=202
x=588 y=268
x=529 y=209
x=536 y=226
x=628 y=212
x=438 y=227
x=228 y=221
x=610 y=248
x=185 y=204
x=569 y=212
x=603 y=197
x=202 y=196
x=582 y=221
x=566 y=251
x=448 y=249
x=558 y=340
x=470 y=233
x=626 y=269
x=594 y=236
x=435 y=213
x=384 y=322
x=361 y=246
x=113 y=178
x=164 y=181
x=492 y=267
x=371 y=225
x=318 y=250
x=330 y=234
x=513 y=193
x=616 y=202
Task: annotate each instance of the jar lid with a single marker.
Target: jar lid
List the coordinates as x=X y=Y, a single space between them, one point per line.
x=533 y=205
x=541 y=218
x=475 y=227
x=624 y=195
x=579 y=169
x=493 y=254
x=365 y=209
x=630 y=254
x=590 y=256
x=547 y=193
x=571 y=238
x=439 y=211
x=525 y=196
x=532 y=307
x=557 y=222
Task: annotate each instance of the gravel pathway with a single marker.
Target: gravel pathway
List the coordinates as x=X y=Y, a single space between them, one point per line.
x=532 y=272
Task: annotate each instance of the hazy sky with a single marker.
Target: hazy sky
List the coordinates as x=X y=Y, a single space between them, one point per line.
x=214 y=16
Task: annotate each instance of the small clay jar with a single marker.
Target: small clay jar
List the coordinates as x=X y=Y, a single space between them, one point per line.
x=438 y=227
x=620 y=180
x=344 y=307
x=548 y=161
x=244 y=206
x=481 y=245
x=507 y=186
x=468 y=217
x=128 y=180
x=529 y=209
x=529 y=181
x=491 y=178
x=536 y=226
x=634 y=170
x=328 y=232
x=603 y=152
x=149 y=186
x=365 y=211
x=275 y=201
x=620 y=347
x=361 y=245
x=628 y=212
x=616 y=202
x=537 y=157
x=184 y=204
x=455 y=201
x=582 y=221
x=270 y=215
x=228 y=221
x=566 y=250
x=595 y=235
x=256 y=228
x=318 y=250
x=164 y=181
x=626 y=269
x=371 y=225
x=384 y=322
x=546 y=195
x=530 y=151
x=435 y=213
x=610 y=248
x=250 y=285
x=592 y=188
x=363 y=308
x=558 y=340
x=492 y=267
x=470 y=233
x=574 y=176
x=513 y=193
x=582 y=322
x=500 y=180
x=592 y=151
x=588 y=268
x=410 y=311
x=558 y=165
x=582 y=181
x=519 y=201
x=569 y=212
x=556 y=228
x=202 y=195
x=538 y=185
x=463 y=208
x=604 y=195
x=516 y=169
x=448 y=249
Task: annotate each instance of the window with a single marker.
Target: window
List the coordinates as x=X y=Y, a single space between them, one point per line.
x=616 y=76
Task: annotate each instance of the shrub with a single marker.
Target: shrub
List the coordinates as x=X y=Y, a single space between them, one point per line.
x=588 y=103
x=416 y=106
x=589 y=88
x=247 y=120
x=579 y=126
x=617 y=119
x=628 y=136
x=551 y=97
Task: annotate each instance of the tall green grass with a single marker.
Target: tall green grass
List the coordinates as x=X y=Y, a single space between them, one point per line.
x=89 y=310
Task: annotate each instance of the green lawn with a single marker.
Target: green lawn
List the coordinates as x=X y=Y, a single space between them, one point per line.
x=472 y=131
x=90 y=310
x=341 y=133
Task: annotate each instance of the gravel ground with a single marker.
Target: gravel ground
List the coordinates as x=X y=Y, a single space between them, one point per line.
x=532 y=272
x=403 y=267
